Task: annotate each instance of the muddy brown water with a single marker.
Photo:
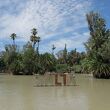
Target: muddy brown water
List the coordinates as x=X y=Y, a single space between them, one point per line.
x=20 y=93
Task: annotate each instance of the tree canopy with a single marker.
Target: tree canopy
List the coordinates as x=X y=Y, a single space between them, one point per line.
x=97 y=46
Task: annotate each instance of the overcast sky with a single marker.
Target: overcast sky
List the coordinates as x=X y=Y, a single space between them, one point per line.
x=58 y=21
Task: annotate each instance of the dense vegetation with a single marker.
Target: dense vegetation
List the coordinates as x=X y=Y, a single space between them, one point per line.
x=29 y=61
x=98 y=47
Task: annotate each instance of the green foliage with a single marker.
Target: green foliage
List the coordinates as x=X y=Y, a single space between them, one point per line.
x=77 y=68
x=2 y=64
x=98 y=46
x=75 y=57
x=13 y=37
x=62 y=56
x=29 y=60
x=16 y=67
x=34 y=38
x=86 y=65
x=12 y=59
x=103 y=69
x=10 y=55
x=48 y=62
x=62 y=68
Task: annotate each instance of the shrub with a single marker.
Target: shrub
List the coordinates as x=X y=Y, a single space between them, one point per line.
x=61 y=68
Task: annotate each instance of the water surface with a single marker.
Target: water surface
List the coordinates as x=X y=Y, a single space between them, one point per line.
x=20 y=93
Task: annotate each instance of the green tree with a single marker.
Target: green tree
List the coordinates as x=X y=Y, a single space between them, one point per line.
x=16 y=66
x=2 y=63
x=48 y=62
x=29 y=59
x=62 y=55
x=10 y=56
x=35 y=38
x=65 y=54
x=53 y=48
x=13 y=37
x=98 y=52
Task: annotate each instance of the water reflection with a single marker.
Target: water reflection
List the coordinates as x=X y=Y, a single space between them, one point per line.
x=19 y=93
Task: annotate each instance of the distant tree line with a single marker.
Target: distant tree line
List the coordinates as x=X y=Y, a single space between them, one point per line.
x=28 y=61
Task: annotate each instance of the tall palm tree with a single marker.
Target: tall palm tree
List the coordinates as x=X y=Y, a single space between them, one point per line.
x=38 y=40
x=34 y=31
x=35 y=38
x=53 y=48
x=13 y=37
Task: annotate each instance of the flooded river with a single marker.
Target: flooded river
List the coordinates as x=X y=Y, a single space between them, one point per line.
x=20 y=93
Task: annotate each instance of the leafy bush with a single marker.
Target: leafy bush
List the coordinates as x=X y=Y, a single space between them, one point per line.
x=77 y=68
x=2 y=64
x=100 y=70
x=61 y=68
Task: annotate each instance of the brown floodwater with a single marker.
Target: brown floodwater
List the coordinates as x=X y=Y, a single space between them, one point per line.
x=20 y=93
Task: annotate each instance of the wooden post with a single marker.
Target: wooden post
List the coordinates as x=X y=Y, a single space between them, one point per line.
x=64 y=79
x=56 y=81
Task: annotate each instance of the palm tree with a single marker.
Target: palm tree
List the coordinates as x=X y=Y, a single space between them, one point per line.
x=13 y=37
x=34 y=31
x=53 y=48
x=38 y=40
x=35 y=38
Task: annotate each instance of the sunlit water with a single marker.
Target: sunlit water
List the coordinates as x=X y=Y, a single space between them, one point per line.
x=20 y=93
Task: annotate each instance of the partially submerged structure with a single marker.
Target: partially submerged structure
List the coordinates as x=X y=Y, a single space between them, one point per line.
x=55 y=79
